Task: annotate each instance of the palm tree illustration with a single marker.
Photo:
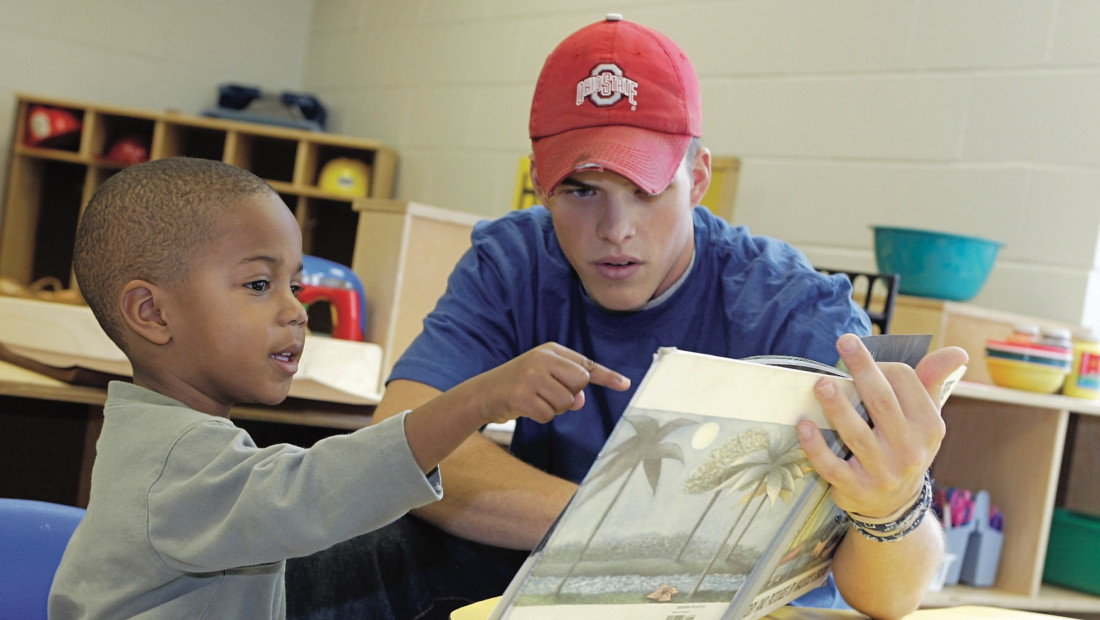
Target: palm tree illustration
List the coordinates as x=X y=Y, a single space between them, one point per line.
x=646 y=448
x=771 y=474
x=817 y=538
x=718 y=469
x=793 y=460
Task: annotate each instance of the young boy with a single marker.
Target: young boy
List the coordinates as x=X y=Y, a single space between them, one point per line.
x=192 y=267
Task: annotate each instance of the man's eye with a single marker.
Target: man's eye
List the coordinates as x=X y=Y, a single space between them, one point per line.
x=259 y=285
x=296 y=289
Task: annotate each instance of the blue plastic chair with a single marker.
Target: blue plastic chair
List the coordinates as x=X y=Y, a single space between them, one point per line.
x=33 y=536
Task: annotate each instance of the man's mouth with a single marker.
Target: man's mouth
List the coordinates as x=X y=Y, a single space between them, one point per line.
x=617 y=269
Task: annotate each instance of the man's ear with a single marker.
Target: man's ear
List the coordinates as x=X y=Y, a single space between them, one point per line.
x=700 y=175
x=535 y=184
x=142 y=312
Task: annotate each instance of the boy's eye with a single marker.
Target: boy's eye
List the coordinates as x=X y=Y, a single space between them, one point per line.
x=296 y=289
x=259 y=285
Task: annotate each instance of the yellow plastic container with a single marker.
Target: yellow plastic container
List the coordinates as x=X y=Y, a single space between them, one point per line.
x=1083 y=380
x=1021 y=375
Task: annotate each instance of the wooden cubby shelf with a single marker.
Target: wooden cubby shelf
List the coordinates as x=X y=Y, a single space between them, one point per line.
x=49 y=183
x=1011 y=443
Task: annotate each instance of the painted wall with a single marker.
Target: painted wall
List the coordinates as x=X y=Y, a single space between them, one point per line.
x=156 y=55
x=972 y=116
x=978 y=117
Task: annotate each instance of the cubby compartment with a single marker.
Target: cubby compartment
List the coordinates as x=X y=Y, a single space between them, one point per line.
x=330 y=227
x=46 y=125
x=191 y=141
x=38 y=239
x=55 y=227
x=321 y=155
x=270 y=158
x=122 y=140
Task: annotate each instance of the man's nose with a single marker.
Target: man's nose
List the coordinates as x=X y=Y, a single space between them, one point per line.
x=616 y=224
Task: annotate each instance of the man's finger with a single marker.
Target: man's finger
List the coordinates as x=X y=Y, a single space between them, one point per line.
x=876 y=392
x=942 y=366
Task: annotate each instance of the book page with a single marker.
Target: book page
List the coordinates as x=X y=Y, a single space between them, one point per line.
x=728 y=388
x=694 y=487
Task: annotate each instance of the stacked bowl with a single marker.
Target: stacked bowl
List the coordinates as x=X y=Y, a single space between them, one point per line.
x=935 y=264
x=1027 y=366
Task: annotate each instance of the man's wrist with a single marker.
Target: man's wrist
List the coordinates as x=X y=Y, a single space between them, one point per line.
x=898 y=525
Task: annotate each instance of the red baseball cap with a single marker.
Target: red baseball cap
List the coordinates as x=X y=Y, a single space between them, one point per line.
x=615 y=96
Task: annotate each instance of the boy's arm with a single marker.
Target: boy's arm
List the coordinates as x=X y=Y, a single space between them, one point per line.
x=491 y=496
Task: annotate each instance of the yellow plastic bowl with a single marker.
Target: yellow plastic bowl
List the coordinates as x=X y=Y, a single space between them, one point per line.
x=1029 y=376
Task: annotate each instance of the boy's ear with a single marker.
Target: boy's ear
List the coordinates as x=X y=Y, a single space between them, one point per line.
x=141 y=311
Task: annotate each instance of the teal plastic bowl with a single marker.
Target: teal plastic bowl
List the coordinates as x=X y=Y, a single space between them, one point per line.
x=935 y=264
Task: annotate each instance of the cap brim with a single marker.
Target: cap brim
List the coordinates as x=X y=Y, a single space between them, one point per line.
x=647 y=158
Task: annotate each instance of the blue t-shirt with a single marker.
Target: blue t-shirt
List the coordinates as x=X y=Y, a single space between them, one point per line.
x=514 y=290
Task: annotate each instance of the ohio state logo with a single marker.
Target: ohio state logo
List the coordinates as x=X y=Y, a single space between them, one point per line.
x=606 y=86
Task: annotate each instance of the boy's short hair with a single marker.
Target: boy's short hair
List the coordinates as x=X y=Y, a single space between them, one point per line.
x=147 y=222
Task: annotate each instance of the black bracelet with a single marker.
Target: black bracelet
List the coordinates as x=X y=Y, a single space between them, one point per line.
x=900 y=528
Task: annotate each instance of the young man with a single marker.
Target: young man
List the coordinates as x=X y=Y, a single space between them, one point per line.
x=617 y=264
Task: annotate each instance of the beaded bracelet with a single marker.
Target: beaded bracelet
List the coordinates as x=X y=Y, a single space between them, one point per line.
x=898 y=528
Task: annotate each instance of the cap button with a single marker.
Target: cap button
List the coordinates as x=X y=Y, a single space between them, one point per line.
x=614 y=17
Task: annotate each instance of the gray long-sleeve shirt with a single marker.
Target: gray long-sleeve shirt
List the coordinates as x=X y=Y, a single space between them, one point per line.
x=189 y=519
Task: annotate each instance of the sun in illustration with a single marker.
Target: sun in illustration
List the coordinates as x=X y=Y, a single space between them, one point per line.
x=704 y=436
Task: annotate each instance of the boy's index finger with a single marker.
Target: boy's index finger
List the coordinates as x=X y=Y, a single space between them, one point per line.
x=602 y=375
x=597 y=373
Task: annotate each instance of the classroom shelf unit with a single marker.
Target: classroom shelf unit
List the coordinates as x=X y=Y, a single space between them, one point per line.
x=49 y=182
x=1012 y=443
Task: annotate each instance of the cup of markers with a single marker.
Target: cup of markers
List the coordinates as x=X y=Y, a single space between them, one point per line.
x=975 y=534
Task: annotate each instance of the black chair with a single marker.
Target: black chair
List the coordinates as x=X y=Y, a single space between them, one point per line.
x=880 y=291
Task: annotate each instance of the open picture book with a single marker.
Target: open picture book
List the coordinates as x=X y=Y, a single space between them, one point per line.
x=701 y=505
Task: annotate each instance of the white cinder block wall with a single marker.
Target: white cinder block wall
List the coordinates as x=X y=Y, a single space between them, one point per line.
x=978 y=117
x=154 y=55
x=973 y=116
